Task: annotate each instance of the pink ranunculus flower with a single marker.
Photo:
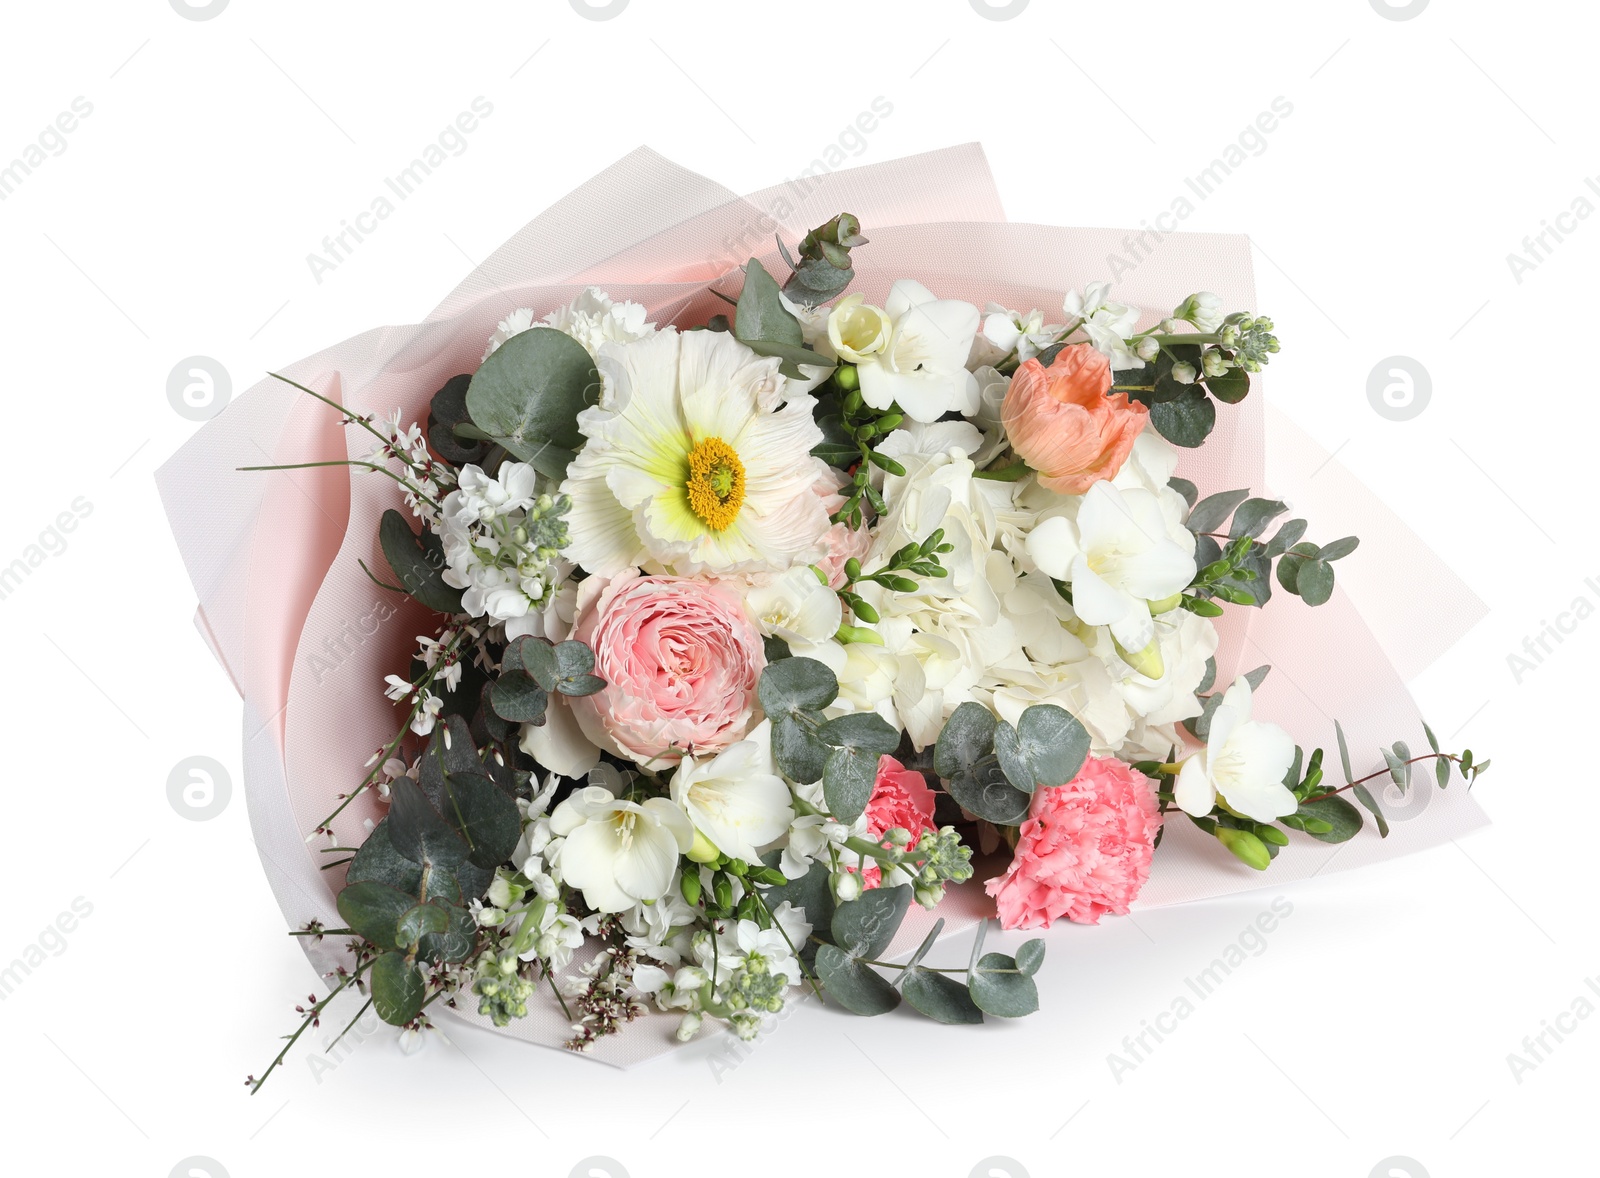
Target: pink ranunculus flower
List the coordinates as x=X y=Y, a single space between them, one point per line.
x=680 y=658
x=900 y=797
x=1083 y=851
x=1063 y=423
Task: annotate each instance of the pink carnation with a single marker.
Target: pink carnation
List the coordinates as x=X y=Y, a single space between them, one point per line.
x=900 y=797
x=1083 y=851
x=680 y=659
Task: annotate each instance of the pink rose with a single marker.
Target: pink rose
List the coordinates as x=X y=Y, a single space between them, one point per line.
x=1065 y=426
x=900 y=797
x=1083 y=851
x=680 y=659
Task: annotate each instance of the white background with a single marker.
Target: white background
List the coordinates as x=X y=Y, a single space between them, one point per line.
x=177 y=221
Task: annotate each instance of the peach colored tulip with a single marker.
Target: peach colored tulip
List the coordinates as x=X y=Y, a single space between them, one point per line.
x=1063 y=424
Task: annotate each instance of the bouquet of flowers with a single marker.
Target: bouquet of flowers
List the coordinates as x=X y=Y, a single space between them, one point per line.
x=742 y=631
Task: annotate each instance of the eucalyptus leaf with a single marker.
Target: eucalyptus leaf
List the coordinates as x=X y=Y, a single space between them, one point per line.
x=1343 y=818
x=1340 y=548
x=528 y=393
x=863 y=927
x=800 y=755
x=397 y=989
x=967 y=736
x=1231 y=387
x=374 y=910
x=1054 y=742
x=796 y=685
x=516 y=698
x=1314 y=582
x=446 y=412
x=1364 y=796
x=1187 y=420
x=985 y=791
x=484 y=815
x=418 y=832
x=408 y=559
x=999 y=987
x=1213 y=511
x=858 y=988
x=848 y=775
x=1185 y=488
x=1253 y=516
x=1030 y=956
x=418 y=921
x=939 y=997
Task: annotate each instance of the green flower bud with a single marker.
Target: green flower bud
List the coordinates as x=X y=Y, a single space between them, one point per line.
x=1246 y=847
x=846 y=377
x=1147 y=662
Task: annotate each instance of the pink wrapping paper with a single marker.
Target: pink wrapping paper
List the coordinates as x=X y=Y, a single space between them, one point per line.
x=306 y=638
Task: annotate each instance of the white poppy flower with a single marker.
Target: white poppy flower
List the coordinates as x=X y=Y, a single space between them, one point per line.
x=1118 y=556
x=688 y=465
x=736 y=799
x=619 y=853
x=1244 y=763
x=923 y=366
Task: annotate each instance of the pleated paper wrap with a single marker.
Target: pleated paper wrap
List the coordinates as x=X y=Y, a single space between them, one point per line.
x=307 y=639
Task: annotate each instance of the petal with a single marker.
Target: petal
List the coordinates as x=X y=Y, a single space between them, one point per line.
x=1096 y=601
x=1193 y=790
x=1053 y=546
x=559 y=744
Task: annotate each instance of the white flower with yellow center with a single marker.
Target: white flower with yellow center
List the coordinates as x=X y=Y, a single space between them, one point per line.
x=688 y=465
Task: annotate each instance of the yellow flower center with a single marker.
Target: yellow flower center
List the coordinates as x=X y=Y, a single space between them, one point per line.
x=716 y=483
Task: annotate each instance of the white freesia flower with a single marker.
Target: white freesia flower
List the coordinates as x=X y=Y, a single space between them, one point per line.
x=619 y=853
x=1117 y=557
x=796 y=607
x=689 y=467
x=856 y=329
x=736 y=799
x=1244 y=763
x=1107 y=324
x=592 y=319
x=923 y=366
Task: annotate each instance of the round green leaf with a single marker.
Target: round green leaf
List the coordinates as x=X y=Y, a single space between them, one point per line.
x=796 y=685
x=1187 y=420
x=397 y=989
x=848 y=776
x=528 y=393
x=1054 y=743
x=1031 y=956
x=417 y=922
x=1314 y=582
x=858 y=988
x=998 y=987
x=516 y=698
x=967 y=736
x=940 y=997
x=374 y=910
x=1343 y=819
x=865 y=926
